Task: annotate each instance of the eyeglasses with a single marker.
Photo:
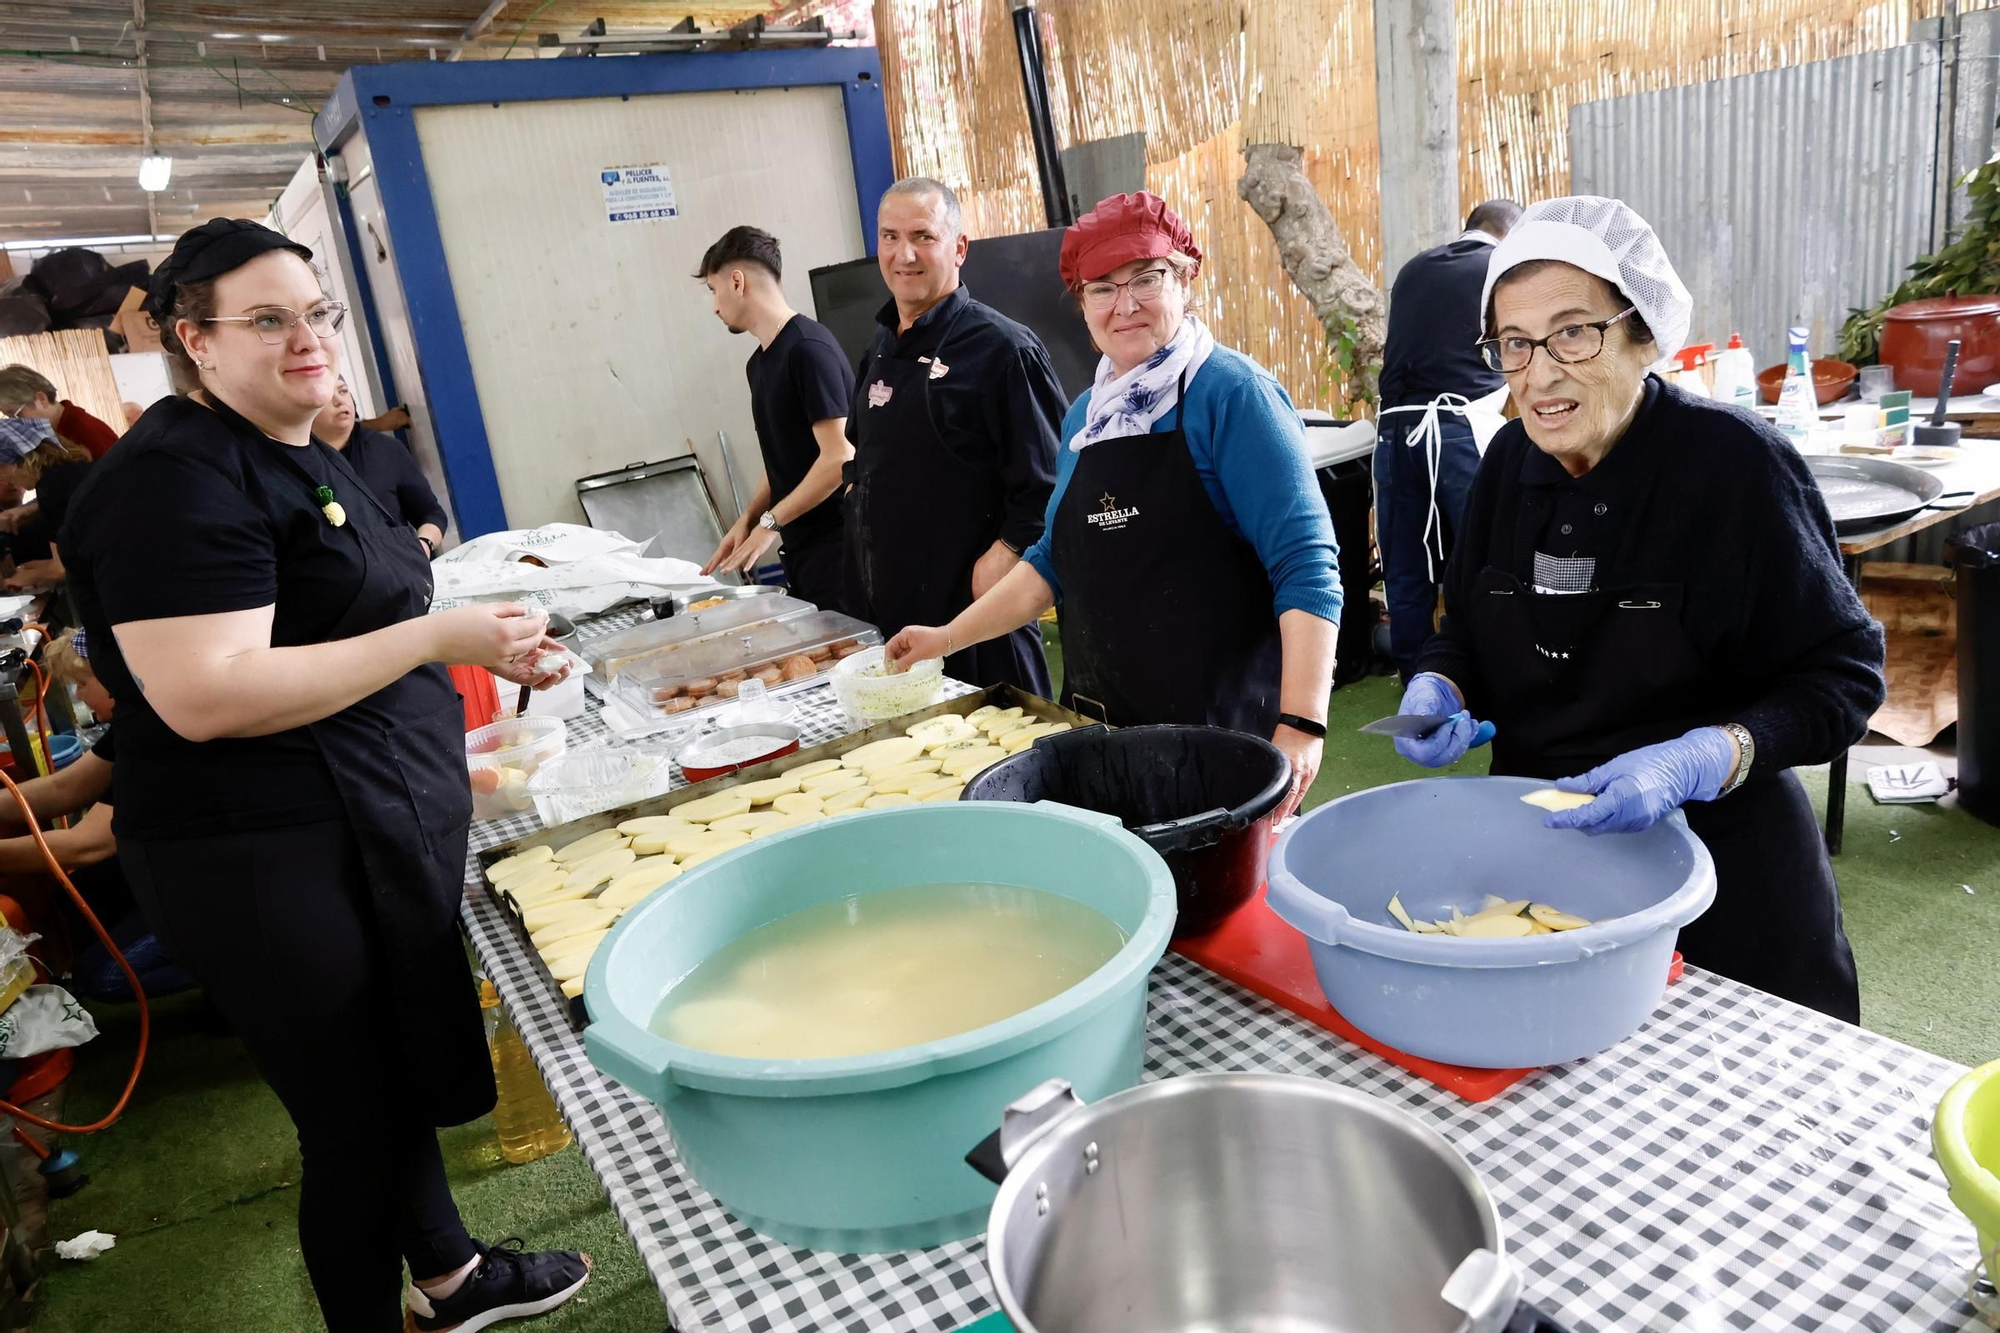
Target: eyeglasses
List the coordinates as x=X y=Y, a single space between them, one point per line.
x=1566 y=346
x=274 y=323
x=1144 y=287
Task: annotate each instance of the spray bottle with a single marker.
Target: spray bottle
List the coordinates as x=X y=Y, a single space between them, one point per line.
x=1691 y=376
x=1798 y=404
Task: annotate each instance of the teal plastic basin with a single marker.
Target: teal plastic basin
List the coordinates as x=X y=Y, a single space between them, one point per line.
x=866 y=1153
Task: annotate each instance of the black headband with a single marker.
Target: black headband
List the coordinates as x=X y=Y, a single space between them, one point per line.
x=216 y=247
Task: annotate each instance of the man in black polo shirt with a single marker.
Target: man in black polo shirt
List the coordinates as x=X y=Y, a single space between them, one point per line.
x=1424 y=458
x=799 y=385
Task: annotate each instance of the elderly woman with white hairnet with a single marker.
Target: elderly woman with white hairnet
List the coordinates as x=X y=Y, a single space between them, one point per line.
x=1647 y=602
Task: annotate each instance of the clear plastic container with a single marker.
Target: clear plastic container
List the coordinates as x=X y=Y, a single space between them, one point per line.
x=782 y=654
x=501 y=757
x=870 y=694
x=575 y=785
x=638 y=647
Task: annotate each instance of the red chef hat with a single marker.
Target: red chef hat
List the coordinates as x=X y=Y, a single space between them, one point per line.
x=1119 y=230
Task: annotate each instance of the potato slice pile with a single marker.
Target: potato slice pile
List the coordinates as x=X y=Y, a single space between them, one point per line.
x=1497 y=919
x=571 y=896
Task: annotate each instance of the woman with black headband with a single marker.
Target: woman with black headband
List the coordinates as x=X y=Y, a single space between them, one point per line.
x=292 y=804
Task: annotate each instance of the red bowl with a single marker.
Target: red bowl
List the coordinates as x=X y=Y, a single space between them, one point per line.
x=730 y=748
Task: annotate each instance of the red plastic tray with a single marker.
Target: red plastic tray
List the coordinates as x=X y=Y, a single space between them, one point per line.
x=1258 y=952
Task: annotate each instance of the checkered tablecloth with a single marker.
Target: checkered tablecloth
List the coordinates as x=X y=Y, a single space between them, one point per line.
x=1740 y=1163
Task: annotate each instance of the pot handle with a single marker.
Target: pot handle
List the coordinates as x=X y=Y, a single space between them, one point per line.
x=1026 y=1119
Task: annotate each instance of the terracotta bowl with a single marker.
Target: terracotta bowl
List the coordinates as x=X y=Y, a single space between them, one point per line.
x=1831 y=380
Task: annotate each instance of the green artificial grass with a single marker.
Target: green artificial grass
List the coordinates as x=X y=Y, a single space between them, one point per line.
x=198 y=1180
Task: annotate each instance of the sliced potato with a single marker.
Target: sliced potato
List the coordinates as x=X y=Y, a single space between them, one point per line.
x=799 y=820
x=1501 y=908
x=769 y=789
x=929 y=783
x=1555 y=918
x=573 y=987
x=895 y=750
x=657 y=869
x=601 y=841
x=520 y=861
x=1003 y=720
x=571 y=966
x=525 y=888
x=826 y=784
x=882 y=768
x=630 y=893
x=1016 y=741
x=694 y=859
x=649 y=845
x=888 y=800
x=965 y=763
x=1548 y=798
x=690 y=845
x=942 y=728
x=943 y=794
x=603 y=865
x=632 y=828
x=1494 y=926
x=749 y=823
x=543 y=915
x=949 y=748
x=842 y=802
x=577 y=923
x=707 y=809
x=1397 y=910
x=806 y=772
x=799 y=803
x=978 y=715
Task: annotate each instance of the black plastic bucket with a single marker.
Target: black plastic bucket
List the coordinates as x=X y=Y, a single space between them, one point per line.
x=1202 y=797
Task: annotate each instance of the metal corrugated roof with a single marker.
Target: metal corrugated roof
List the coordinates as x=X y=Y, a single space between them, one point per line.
x=231 y=87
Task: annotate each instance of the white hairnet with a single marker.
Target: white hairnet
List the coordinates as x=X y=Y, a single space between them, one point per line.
x=1606 y=238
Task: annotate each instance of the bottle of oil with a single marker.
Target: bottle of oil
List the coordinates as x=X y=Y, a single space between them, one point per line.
x=526 y=1121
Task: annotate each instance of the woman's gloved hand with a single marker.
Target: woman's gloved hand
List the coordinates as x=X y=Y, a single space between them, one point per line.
x=1431 y=695
x=1641 y=787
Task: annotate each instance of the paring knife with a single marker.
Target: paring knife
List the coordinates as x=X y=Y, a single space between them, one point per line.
x=1418 y=725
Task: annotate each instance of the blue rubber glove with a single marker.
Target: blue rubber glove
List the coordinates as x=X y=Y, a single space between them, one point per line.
x=1431 y=695
x=1641 y=787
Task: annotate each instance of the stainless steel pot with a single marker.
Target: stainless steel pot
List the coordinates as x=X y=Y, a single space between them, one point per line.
x=1240 y=1201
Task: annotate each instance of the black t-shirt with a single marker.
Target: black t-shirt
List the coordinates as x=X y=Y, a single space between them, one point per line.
x=53 y=491
x=188 y=517
x=1434 y=322
x=391 y=471
x=106 y=749
x=801 y=378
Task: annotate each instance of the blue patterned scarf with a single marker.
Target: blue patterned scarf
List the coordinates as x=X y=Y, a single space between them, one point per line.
x=1129 y=404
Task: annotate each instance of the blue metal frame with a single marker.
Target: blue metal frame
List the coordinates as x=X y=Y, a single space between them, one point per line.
x=378 y=101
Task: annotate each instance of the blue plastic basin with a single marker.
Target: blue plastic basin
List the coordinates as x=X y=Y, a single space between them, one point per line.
x=1441 y=843
x=866 y=1153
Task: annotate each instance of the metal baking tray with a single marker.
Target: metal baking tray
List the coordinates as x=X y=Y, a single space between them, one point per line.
x=999 y=696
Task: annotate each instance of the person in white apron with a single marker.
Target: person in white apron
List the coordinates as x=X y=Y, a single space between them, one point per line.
x=1440 y=405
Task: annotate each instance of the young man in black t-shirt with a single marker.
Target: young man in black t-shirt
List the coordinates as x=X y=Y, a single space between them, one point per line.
x=799 y=386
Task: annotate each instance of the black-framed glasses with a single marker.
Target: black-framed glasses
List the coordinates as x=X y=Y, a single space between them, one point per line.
x=1566 y=346
x=274 y=323
x=1103 y=294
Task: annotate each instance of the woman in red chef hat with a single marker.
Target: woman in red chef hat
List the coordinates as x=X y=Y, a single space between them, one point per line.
x=1187 y=542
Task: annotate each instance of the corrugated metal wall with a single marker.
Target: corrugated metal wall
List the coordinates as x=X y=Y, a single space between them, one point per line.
x=1788 y=196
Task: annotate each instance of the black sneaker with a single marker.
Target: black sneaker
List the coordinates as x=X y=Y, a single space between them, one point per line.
x=509 y=1283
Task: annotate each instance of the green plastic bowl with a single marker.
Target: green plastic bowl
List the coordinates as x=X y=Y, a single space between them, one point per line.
x=866 y=1153
x=1966 y=1138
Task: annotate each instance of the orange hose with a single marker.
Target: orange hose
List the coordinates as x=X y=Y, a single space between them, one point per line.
x=42 y=711
x=139 y=994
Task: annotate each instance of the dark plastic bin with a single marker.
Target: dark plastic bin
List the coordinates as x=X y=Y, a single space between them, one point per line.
x=1202 y=797
x=1975 y=557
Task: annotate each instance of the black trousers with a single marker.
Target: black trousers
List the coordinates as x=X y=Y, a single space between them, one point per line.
x=1776 y=922
x=816 y=571
x=274 y=925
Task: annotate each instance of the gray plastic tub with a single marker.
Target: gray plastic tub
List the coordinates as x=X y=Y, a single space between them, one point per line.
x=1441 y=843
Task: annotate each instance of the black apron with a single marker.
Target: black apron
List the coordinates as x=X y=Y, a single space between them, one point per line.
x=398 y=760
x=918 y=519
x=1166 y=613
x=1574 y=680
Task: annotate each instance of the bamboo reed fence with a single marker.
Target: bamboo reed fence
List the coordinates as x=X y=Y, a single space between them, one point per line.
x=79 y=363
x=1197 y=76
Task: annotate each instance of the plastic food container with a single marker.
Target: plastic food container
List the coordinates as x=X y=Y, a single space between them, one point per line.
x=650 y=646
x=501 y=756
x=870 y=694
x=730 y=748
x=865 y=1153
x=1441 y=843
x=782 y=654
x=1965 y=1136
x=575 y=785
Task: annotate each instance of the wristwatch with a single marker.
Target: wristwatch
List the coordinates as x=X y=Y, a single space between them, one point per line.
x=1746 y=751
x=769 y=522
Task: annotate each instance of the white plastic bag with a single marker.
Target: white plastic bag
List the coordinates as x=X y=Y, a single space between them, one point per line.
x=45 y=1018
